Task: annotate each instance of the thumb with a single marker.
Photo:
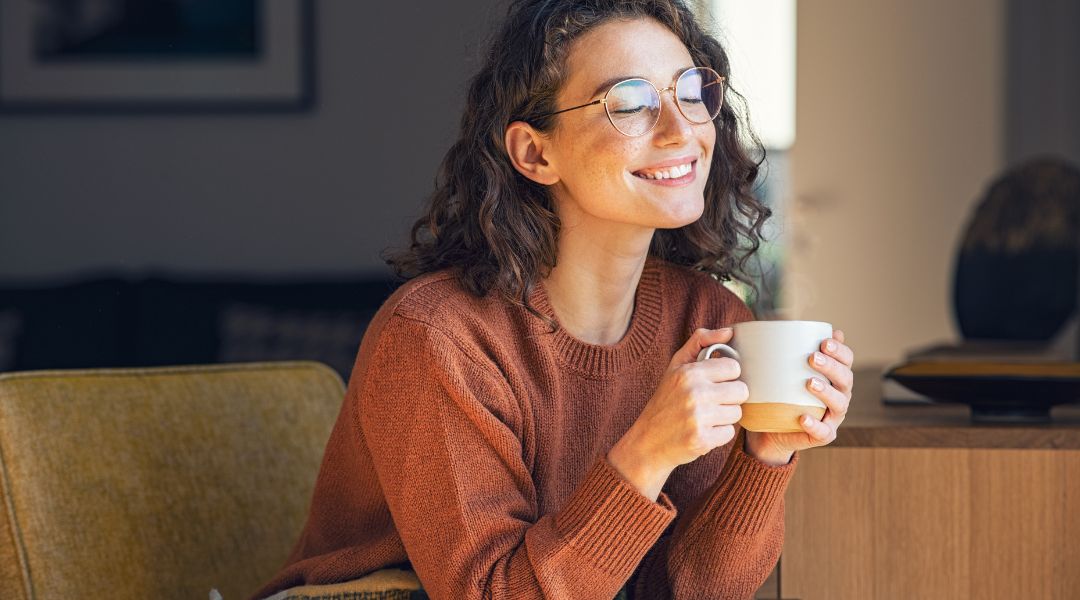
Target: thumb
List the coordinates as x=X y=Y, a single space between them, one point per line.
x=701 y=338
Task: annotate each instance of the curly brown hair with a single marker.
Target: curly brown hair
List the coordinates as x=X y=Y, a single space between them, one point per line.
x=498 y=229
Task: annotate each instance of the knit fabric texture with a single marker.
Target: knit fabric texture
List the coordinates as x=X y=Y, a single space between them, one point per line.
x=472 y=444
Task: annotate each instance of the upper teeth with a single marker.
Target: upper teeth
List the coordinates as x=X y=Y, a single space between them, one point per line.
x=668 y=173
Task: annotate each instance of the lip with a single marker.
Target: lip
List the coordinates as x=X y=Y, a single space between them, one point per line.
x=669 y=163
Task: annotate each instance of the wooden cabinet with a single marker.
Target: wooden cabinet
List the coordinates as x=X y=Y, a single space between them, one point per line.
x=916 y=502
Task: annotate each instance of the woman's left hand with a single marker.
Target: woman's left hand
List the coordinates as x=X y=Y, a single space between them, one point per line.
x=834 y=389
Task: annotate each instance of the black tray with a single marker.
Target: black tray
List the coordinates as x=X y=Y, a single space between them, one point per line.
x=997 y=392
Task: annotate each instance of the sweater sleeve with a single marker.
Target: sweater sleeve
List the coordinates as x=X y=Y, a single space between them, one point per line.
x=444 y=432
x=727 y=542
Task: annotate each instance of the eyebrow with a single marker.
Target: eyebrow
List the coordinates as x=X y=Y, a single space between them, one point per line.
x=607 y=83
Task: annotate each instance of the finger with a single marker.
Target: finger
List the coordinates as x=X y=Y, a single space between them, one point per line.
x=820 y=433
x=722 y=434
x=731 y=393
x=839 y=374
x=833 y=421
x=839 y=335
x=719 y=370
x=838 y=350
x=727 y=414
x=701 y=338
x=836 y=401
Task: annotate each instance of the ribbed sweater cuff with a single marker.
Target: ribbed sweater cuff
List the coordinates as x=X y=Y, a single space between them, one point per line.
x=747 y=492
x=608 y=519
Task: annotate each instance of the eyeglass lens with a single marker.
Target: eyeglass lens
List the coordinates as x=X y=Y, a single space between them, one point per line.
x=634 y=105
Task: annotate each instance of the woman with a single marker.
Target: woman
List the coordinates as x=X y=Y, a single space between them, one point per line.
x=526 y=418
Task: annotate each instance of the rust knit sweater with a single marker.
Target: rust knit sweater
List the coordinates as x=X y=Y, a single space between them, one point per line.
x=472 y=443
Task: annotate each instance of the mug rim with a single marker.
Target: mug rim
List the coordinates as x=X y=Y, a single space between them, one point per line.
x=782 y=322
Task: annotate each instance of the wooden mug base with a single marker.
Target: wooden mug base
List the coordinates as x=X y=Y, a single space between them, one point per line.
x=776 y=417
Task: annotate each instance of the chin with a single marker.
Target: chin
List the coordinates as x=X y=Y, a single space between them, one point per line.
x=687 y=214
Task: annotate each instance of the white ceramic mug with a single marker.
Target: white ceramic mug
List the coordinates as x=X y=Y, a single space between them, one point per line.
x=773 y=357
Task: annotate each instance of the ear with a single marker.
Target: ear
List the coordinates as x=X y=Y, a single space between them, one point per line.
x=526 y=148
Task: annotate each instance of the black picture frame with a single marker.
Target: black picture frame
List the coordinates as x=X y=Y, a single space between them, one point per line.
x=285 y=82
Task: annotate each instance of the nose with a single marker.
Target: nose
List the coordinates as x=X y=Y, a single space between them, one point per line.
x=672 y=128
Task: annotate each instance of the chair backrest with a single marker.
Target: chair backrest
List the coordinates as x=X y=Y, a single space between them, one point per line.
x=158 y=482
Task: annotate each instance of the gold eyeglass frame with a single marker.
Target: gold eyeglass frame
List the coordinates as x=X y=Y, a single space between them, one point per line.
x=720 y=80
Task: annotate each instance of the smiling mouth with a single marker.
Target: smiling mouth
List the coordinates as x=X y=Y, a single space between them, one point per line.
x=673 y=173
x=676 y=172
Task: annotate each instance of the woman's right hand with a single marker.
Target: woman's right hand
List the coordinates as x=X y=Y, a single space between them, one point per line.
x=693 y=410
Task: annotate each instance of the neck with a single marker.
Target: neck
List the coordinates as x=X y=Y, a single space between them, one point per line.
x=592 y=287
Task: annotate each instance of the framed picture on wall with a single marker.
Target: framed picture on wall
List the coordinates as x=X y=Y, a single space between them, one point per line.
x=156 y=56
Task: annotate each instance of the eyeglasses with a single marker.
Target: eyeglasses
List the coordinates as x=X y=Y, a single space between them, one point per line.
x=633 y=105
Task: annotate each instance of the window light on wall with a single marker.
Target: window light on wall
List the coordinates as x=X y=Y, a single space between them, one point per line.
x=759 y=37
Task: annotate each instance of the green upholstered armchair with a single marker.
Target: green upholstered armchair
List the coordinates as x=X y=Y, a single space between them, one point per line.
x=160 y=482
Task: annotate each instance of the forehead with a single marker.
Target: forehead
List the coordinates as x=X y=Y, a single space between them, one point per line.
x=632 y=48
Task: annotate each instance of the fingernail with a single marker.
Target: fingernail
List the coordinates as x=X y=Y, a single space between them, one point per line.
x=830 y=346
x=819 y=358
x=816 y=384
x=807 y=420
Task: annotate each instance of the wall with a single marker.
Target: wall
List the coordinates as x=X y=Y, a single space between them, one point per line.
x=268 y=194
x=1043 y=87
x=900 y=113
x=900 y=127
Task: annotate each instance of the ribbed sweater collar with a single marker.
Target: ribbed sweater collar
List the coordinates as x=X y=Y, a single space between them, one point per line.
x=594 y=360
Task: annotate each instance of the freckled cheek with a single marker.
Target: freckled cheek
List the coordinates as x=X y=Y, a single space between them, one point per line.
x=709 y=141
x=608 y=159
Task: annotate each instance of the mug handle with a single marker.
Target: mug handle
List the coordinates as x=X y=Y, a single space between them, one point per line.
x=723 y=349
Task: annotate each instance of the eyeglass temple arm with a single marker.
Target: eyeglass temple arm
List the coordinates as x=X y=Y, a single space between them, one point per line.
x=551 y=114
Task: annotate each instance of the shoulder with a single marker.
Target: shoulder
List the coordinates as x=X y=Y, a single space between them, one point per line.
x=419 y=297
x=433 y=329
x=441 y=300
x=698 y=290
x=436 y=306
